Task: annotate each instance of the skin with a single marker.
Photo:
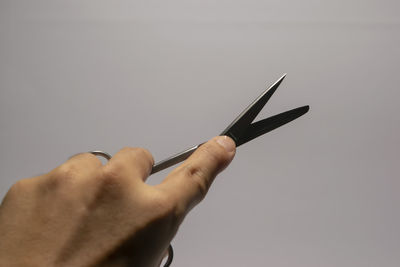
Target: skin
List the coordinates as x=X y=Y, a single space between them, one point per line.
x=84 y=213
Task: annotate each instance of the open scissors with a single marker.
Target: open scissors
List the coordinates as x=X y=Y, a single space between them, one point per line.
x=241 y=130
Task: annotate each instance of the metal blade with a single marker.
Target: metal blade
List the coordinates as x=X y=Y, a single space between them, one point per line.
x=239 y=125
x=266 y=125
x=254 y=130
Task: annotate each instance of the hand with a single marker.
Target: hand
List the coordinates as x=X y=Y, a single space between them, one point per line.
x=84 y=213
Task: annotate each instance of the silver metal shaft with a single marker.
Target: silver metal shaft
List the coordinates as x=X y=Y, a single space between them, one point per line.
x=168 y=162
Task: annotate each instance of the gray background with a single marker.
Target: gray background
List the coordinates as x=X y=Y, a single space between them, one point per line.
x=322 y=191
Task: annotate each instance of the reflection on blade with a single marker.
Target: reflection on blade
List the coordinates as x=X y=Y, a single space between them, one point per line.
x=166 y=163
x=239 y=125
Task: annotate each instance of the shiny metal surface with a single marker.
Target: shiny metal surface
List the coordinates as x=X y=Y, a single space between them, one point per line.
x=242 y=130
x=168 y=162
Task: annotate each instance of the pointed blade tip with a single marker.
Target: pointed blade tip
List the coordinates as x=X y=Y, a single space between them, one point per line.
x=303 y=110
x=276 y=84
x=281 y=78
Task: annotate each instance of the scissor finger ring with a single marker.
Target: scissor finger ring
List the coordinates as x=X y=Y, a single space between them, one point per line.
x=101 y=154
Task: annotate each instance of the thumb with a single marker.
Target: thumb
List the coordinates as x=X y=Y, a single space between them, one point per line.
x=189 y=183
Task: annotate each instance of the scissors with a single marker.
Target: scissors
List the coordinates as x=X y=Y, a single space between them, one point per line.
x=241 y=130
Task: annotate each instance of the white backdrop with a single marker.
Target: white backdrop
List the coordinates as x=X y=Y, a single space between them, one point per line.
x=321 y=191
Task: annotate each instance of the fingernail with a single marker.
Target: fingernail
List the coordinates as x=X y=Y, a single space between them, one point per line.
x=227 y=143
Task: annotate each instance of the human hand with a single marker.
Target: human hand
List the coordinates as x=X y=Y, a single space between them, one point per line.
x=84 y=213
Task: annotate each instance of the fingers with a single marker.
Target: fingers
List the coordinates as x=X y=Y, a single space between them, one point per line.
x=73 y=172
x=86 y=169
x=189 y=183
x=132 y=163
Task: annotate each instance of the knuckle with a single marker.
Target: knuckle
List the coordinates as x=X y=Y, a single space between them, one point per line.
x=198 y=178
x=16 y=189
x=111 y=175
x=127 y=149
x=144 y=153
x=64 y=173
x=138 y=153
x=91 y=157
